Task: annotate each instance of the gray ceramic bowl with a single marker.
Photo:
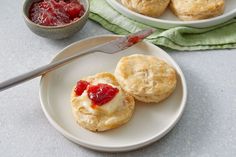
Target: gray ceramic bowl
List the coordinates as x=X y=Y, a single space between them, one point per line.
x=55 y=32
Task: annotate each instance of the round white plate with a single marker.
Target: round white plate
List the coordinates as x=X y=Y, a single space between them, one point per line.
x=150 y=121
x=168 y=19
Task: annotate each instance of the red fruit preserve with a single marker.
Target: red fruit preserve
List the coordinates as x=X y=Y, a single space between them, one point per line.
x=134 y=39
x=101 y=94
x=80 y=87
x=55 y=12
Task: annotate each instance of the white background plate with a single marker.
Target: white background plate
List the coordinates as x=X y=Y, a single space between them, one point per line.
x=168 y=19
x=150 y=121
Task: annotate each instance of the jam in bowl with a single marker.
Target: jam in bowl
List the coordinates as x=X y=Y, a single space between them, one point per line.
x=56 y=19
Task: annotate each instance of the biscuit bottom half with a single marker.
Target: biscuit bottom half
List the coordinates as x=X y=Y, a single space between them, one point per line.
x=99 y=119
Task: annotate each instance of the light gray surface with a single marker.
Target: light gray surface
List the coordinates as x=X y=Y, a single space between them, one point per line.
x=207 y=128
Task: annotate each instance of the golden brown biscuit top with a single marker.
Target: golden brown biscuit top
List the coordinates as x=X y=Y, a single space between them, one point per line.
x=145 y=75
x=147 y=7
x=196 y=6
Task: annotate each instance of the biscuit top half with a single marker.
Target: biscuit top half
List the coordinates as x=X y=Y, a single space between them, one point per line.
x=147 y=7
x=145 y=75
x=193 y=7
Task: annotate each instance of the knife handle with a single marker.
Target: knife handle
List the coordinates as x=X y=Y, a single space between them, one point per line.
x=39 y=71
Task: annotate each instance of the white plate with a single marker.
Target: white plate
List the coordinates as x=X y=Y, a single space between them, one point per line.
x=150 y=121
x=168 y=19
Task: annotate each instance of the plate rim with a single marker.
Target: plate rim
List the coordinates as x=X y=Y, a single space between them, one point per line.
x=122 y=148
x=117 y=6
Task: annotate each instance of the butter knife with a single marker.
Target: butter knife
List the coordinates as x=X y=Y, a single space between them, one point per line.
x=111 y=47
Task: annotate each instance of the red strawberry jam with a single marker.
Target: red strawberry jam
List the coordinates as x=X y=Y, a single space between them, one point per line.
x=80 y=87
x=100 y=94
x=134 y=39
x=55 y=12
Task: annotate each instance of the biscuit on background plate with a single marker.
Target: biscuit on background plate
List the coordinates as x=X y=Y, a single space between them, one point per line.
x=146 y=78
x=110 y=115
x=197 y=9
x=152 y=8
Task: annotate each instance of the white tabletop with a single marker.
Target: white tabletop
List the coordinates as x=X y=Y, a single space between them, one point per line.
x=207 y=128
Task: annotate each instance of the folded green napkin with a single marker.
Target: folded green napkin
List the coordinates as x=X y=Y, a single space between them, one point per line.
x=179 y=38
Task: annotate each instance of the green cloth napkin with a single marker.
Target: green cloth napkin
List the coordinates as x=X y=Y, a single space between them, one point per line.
x=179 y=38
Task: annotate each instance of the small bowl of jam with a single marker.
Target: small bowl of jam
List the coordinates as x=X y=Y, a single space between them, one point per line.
x=55 y=19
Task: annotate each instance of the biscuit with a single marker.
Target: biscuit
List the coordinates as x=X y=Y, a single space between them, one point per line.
x=146 y=78
x=111 y=115
x=197 y=9
x=152 y=8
